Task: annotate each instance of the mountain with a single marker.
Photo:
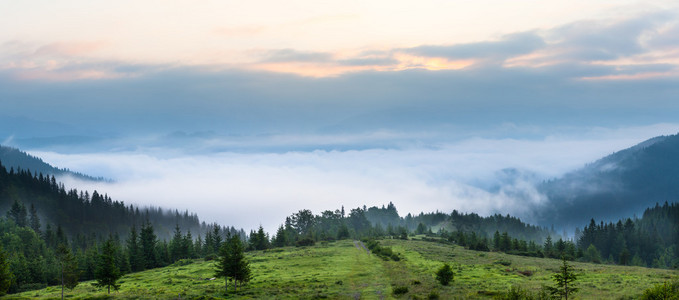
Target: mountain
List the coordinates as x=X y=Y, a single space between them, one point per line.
x=17 y=159
x=622 y=184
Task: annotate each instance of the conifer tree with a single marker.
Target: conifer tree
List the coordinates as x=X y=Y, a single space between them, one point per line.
x=134 y=251
x=176 y=245
x=187 y=246
x=69 y=268
x=564 y=281
x=280 y=238
x=232 y=264
x=148 y=245
x=18 y=214
x=34 y=219
x=107 y=273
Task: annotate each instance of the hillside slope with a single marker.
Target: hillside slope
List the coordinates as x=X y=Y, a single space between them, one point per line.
x=619 y=185
x=340 y=270
x=17 y=159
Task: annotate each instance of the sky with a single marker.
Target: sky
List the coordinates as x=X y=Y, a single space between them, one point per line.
x=231 y=108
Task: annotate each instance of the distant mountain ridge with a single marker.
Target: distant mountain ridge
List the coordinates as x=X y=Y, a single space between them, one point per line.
x=17 y=159
x=619 y=185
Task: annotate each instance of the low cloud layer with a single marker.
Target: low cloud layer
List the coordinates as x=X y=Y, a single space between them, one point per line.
x=245 y=189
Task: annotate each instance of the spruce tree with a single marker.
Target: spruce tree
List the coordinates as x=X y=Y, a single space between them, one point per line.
x=34 y=219
x=232 y=263
x=148 y=245
x=176 y=245
x=69 y=268
x=107 y=273
x=564 y=281
x=134 y=251
x=18 y=214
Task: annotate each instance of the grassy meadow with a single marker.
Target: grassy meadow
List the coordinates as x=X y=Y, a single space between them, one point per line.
x=341 y=270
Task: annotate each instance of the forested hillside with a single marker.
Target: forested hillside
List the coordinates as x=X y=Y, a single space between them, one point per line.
x=652 y=240
x=79 y=212
x=616 y=186
x=40 y=221
x=13 y=158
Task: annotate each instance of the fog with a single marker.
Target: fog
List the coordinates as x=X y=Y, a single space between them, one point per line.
x=246 y=189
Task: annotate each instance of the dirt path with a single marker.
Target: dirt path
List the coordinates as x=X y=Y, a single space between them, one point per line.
x=360 y=245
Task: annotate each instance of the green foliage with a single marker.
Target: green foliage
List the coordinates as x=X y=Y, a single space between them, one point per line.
x=232 y=263
x=383 y=252
x=664 y=291
x=400 y=290
x=259 y=240
x=445 y=274
x=592 y=254
x=108 y=273
x=69 y=267
x=564 y=281
x=339 y=270
x=148 y=241
x=6 y=275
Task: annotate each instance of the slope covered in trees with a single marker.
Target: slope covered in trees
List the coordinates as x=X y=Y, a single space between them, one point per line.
x=13 y=158
x=652 y=240
x=41 y=223
x=616 y=186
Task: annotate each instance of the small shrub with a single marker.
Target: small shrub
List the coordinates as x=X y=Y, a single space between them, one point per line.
x=305 y=242
x=515 y=293
x=416 y=282
x=664 y=290
x=503 y=262
x=401 y=290
x=182 y=262
x=433 y=295
x=445 y=274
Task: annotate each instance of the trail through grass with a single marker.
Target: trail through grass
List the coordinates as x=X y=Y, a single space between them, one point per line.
x=345 y=270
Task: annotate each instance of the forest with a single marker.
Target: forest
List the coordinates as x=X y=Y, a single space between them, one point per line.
x=40 y=230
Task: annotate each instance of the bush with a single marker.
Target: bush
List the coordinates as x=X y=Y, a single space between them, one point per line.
x=433 y=295
x=663 y=291
x=401 y=290
x=182 y=262
x=305 y=242
x=445 y=274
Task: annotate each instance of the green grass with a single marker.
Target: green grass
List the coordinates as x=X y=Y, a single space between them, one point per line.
x=341 y=271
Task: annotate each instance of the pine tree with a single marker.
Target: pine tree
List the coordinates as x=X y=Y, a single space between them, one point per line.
x=18 y=214
x=564 y=281
x=187 y=245
x=69 y=268
x=232 y=263
x=148 y=245
x=280 y=238
x=107 y=273
x=34 y=219
x=134 y=251
x=176 y=245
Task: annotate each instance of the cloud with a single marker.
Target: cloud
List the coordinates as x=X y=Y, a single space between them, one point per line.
x=508 y=46
x=291 y=55
x=249 y=188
